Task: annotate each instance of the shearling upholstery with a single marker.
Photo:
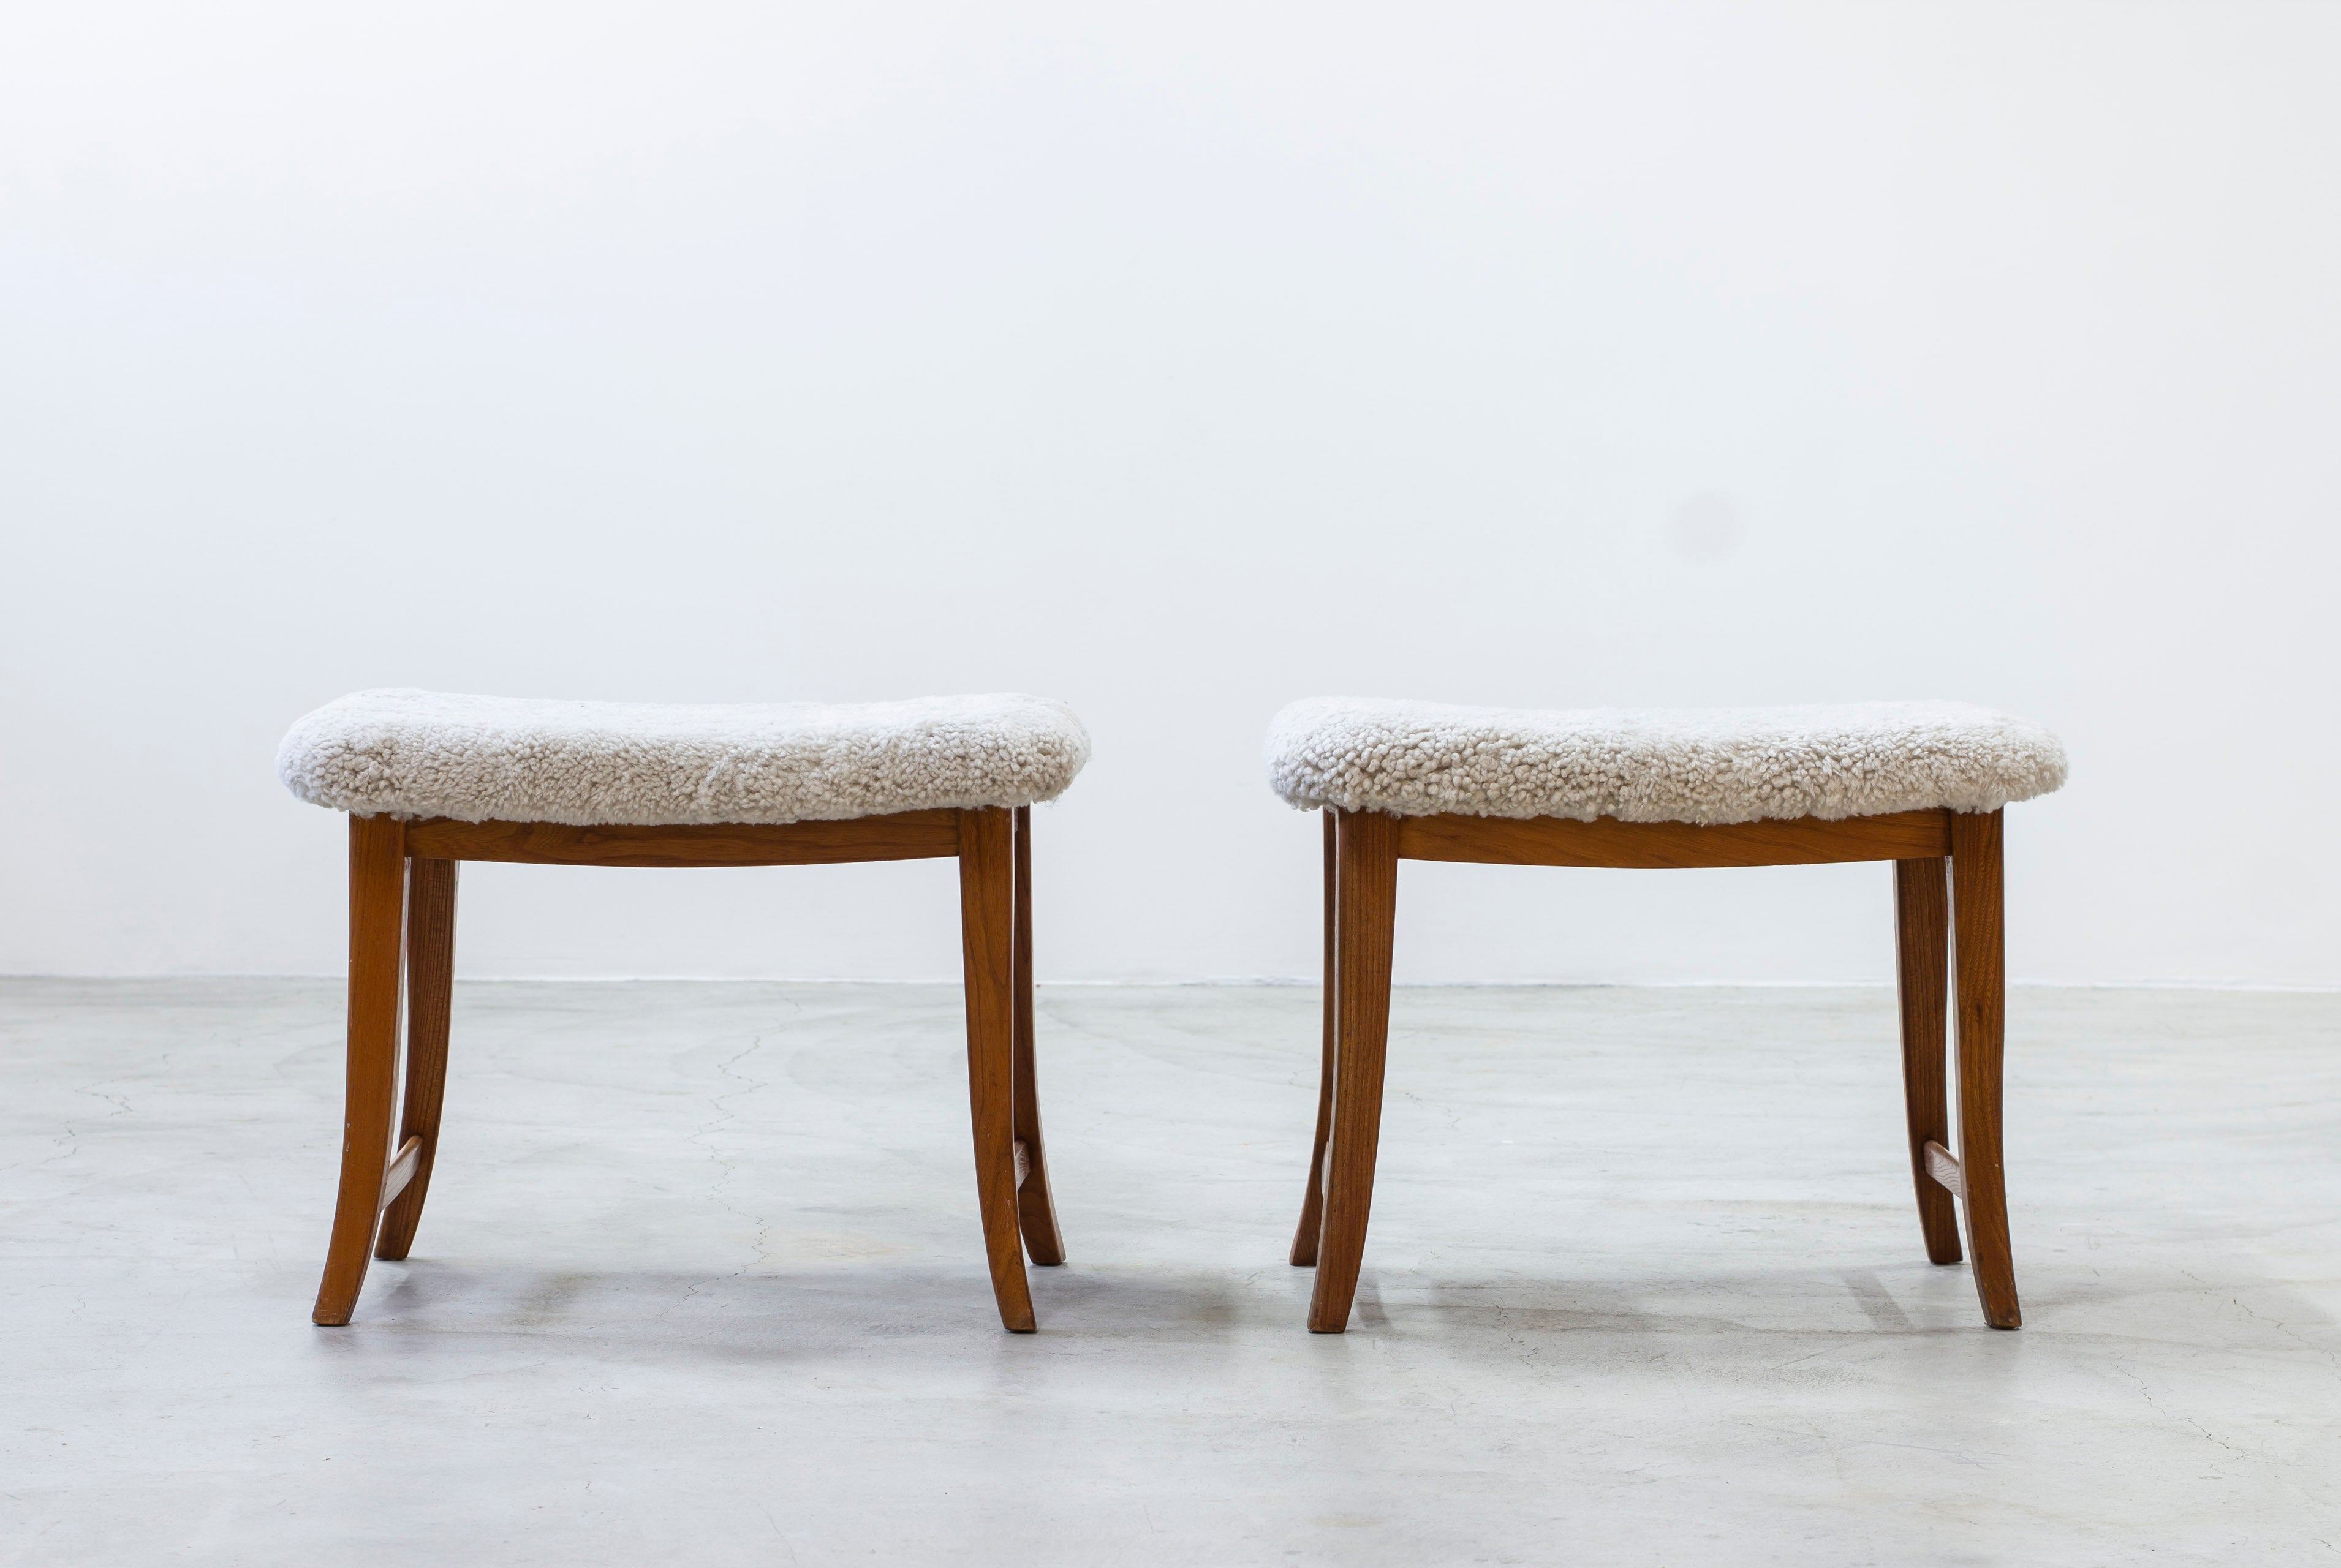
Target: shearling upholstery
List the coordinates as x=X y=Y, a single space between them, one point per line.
x=1656 y=764
x=518 y=760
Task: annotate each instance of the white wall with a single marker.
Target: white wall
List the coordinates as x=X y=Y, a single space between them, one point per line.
x=1177 y=365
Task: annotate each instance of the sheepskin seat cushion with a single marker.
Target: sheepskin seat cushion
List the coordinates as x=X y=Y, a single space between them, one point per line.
x=1655 y=764
x=515 y=759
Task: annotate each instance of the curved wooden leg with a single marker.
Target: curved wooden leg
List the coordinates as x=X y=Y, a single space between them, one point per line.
x=987 y=902
x=429 y=996
x=377 y=919
x=1036 y=1208
x=1983 y=988
x=1312 y=1202
x=1365 y=907
x=1922 y=950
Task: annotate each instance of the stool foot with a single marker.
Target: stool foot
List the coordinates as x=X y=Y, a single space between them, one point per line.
x=1312 y=1204
x=1036 y=1208
x=1365 y=907
x=987 y=886
x=430 y=999
x=1922 y=950
x=377 y=922
x=1978 y=944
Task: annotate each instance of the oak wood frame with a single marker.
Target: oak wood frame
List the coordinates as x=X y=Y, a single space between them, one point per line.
x=403 y=947
x=1947 y=886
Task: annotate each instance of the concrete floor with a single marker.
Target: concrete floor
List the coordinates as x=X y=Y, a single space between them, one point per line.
x=700 y=1283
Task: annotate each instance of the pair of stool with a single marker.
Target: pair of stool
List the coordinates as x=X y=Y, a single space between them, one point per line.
x=430 y=780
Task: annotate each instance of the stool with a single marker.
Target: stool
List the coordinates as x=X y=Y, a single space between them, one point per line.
x=430 y=779
x=1919 y=784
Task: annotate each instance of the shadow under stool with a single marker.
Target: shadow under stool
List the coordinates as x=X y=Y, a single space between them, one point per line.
x=397 y=751
x=1373 y=767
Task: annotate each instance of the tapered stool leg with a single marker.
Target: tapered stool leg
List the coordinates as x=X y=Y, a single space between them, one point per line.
x=987 y=893
x=1036 y=1208
x=1982 y=1003
x=1364 y=909
x=377 y=919
x=430 y=1000
x=1312 y=1202
x=1922 y=950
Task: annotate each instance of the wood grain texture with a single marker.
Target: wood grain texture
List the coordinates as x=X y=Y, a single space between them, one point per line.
x=902 y=835
x=401 y=1171
x=377 y=921
x=1922 y=954
x=1959 y=932
x=1978 y=950
x=1662 y=845
x=1036 y=1208
x=1312 y=1203
x=430 y=1002
x=986 y=885
x=1365 y=905
x=1944 y=1167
